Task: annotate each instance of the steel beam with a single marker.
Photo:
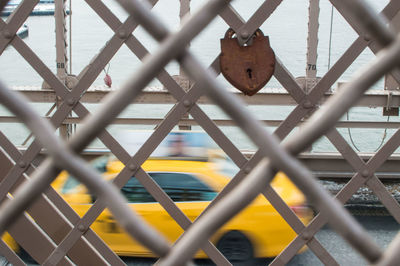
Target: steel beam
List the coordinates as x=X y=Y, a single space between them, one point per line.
x=270 y=96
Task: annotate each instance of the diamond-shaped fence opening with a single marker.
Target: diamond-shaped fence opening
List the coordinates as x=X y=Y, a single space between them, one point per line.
x=67 y=236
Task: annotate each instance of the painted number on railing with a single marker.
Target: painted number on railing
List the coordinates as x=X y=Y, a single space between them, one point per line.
x=311 y=67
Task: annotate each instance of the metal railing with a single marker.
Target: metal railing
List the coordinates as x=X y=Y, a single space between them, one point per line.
x=255 y=173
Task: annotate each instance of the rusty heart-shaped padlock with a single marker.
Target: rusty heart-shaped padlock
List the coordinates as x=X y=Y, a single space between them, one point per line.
x=248 y=67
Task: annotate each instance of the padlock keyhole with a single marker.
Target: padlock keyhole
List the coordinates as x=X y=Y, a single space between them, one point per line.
x=249 y=72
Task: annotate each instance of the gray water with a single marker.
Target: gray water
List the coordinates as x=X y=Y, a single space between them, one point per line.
x=287 y=30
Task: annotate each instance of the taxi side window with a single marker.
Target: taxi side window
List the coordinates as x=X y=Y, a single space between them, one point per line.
x=178 y=186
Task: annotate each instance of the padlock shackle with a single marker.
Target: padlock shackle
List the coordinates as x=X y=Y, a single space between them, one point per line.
x=230 y=32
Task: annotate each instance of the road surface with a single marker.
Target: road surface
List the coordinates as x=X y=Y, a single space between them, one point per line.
x=381 y=228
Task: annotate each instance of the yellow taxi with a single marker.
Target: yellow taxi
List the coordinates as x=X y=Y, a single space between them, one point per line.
x=192 y=182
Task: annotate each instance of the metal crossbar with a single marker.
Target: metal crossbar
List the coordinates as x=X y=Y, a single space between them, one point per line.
x=255 y=174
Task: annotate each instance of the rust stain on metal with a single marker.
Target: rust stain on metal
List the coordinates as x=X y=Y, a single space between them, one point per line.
x=248 y=67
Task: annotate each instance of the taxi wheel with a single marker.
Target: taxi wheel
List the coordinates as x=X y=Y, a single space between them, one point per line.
x=237 y=248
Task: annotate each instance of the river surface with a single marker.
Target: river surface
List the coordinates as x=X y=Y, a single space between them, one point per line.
x=286 y=28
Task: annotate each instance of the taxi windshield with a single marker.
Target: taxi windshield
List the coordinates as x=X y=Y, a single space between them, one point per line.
x=99 y=164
